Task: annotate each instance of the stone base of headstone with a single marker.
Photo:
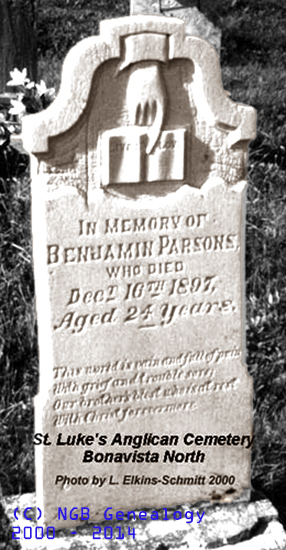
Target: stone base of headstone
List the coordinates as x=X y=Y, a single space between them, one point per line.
x=196 y=23
x=240 y=526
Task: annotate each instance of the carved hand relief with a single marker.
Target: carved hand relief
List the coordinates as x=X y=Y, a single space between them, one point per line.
x=141 y=151
x=156 y=114
x=146 y=100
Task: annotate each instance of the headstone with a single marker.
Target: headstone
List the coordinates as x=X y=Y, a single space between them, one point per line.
x=196 y=22
x=138 y=188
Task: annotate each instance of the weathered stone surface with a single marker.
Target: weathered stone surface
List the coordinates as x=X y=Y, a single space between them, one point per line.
x=237 y=526
x=138 y=195
x=197 y=23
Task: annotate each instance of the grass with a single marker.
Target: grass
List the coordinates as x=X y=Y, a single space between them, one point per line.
x=266 y=321
x=18 y=338
x=253 y=70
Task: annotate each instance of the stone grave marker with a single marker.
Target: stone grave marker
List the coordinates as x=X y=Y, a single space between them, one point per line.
x=138 y=189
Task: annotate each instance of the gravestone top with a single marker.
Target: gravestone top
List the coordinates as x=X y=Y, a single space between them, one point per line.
x=138 y=178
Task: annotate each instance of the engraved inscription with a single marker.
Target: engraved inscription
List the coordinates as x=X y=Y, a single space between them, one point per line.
x=160 y=293
x=81 y=393
x=151 y=278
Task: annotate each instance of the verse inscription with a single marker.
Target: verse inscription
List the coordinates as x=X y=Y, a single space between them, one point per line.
x=103 y=386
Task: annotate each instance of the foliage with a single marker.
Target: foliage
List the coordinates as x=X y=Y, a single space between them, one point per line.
x=28 y=7
x=12 y=161
x=62 y=24
x=266 y=319
x=18 y=343
x=253 y=71
x=244 y=41
x=30 y=98
x=17 y=37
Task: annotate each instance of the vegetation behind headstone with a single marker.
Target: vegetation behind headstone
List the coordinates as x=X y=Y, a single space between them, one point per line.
x=18 y=38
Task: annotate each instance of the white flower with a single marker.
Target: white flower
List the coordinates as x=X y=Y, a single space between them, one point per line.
x=30 y=85
x=41 y=88
x=50 y=94
x=19 y=78
x=18 y=108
